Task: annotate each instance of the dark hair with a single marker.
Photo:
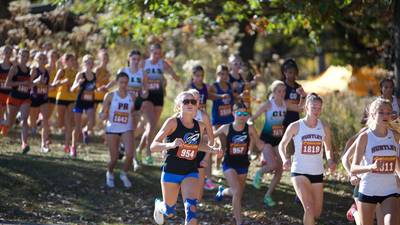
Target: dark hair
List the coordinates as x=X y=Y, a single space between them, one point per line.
x=288 y=64
x=386 y=79
x=197 y=68
x=239 y=105
x=222 y=67
x=122 y=74
x=134 y=52
x=155 y=46
x=313 y=97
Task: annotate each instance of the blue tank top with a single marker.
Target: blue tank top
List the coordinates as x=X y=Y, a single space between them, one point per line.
x=221 y=112
x=293 y=97
x=203 y=95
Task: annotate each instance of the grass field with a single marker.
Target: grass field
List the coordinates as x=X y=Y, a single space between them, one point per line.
x=52 y=189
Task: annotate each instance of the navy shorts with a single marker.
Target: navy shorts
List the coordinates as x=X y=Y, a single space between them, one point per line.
x=155 y=97
x=177 y=178
x=374 y=199
x=239 y=170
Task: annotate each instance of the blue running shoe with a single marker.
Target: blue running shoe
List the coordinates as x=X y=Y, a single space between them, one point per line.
x=219 y=195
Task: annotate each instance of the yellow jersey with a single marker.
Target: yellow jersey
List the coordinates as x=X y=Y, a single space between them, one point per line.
x=63 y=91
x=102 y=78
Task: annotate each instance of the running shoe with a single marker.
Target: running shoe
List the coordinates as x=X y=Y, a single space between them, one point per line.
x=66 y=149
x=268 y=201
x=350 y=212
x=257 y=180
x=85 y=137
x=110 y=180
x=158 y=215
x=124 y=178
x=136 y=165
x=26 y=149
x=45 y=149
x=149 y=160
x=219 y=196
x=209 y=185
x=72 y=152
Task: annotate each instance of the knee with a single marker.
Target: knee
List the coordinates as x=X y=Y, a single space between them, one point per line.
x=190 y=209
x=308 y=209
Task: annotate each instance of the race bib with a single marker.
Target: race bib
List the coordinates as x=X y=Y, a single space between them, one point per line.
x=154 y=84
x=388 y=164
x=87 y=95
x=121 y=117
x=23 y=88
x=311 y=147
x=238 y=149
x=277 y=130
x=224 y=110
x=187 y=151
x=42 y=89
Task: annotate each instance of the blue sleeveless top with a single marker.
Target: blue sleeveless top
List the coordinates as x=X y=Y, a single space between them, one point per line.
x=221 y=112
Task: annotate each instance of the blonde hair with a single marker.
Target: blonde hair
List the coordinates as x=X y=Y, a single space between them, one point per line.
x=179 y=99
x=194 y=92
x=274 y=86
x=373 y=109
x=87 y=57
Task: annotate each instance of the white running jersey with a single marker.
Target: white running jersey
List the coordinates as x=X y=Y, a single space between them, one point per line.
x=308 y=145
x=155 y=73
x=382 y=181
x=395 y=106
x=135 y=79
x=199 y=116
x=274 y=117
x=120 y=114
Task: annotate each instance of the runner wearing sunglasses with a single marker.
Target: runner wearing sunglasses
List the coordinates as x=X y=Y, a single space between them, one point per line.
x=182 y=135
x=236 y=160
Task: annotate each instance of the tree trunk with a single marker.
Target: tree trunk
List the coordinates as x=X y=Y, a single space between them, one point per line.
x=396 y=42
x=247 y=40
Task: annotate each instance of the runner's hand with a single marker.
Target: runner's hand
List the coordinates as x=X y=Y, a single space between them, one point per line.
x=177 y=143
x=331 y=165
x=354 y=180
x=287 y=164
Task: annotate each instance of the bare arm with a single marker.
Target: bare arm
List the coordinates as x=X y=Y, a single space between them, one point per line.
x=290 y=132
x=264 y=107
x=328 y=148
x=57 y=79
x=361 y=144
x=222 y=130
x=11 y=74
x=168 y=127
x=171 y=71
x=78 y=81
x=254 y=136
x=106 y=106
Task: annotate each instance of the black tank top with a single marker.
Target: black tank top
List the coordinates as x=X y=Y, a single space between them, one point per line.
x=182 y=160
x=237 y=147
x=293 y=97
x=40 y=90
x=86 y=89
x=3 y=78
x=21 y=91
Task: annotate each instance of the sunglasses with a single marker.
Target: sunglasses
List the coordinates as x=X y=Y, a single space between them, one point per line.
x=238 y=113
x=189 y=101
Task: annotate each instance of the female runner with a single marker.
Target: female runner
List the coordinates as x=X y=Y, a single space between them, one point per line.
x=310 y=137
x=180 y=170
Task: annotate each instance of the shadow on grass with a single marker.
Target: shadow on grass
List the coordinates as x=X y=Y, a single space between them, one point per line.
x=45 y=189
